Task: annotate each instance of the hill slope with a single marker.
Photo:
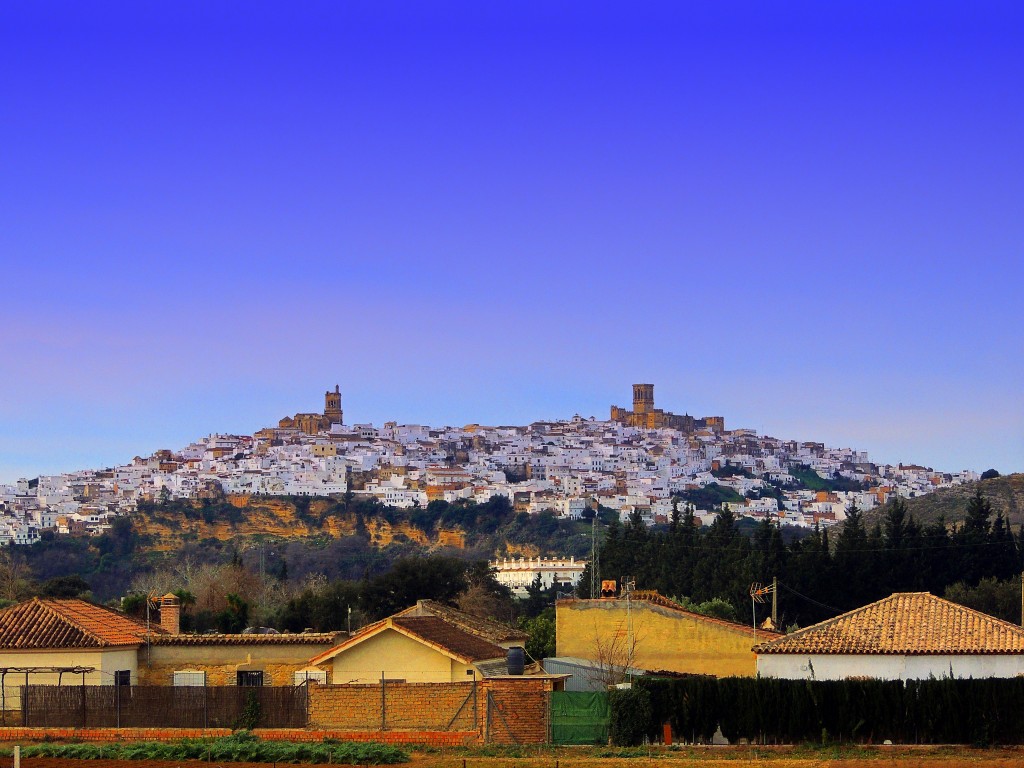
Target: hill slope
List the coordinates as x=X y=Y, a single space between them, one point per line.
x=1005 y=493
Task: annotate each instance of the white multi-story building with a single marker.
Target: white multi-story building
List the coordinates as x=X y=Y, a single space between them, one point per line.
x=517 y=575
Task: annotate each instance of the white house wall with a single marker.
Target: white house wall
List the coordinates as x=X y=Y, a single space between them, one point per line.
x=887 y=667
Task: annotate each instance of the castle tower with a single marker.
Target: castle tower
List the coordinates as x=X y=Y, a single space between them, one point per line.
x=332 y=405
x=643 y=398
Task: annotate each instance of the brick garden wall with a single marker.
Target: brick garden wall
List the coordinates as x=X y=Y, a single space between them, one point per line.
x=518 y=711
x=508 y=710
x=107 y=735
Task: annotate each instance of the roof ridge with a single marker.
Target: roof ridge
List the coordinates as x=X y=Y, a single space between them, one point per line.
x=654 y=596
x=881 y=627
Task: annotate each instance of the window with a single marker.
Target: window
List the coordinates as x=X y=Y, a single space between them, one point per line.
x=312 y=675
x=189 y=678
x=249 y=678
x=123 y=677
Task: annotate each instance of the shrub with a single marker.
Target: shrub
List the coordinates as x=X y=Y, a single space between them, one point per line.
x=631 y=716
x=239 y=747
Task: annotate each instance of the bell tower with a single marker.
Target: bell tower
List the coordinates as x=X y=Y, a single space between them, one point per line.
x=332 y=406
x=643 y=398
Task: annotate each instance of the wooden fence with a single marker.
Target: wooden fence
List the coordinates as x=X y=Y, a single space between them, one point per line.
x=122 y=706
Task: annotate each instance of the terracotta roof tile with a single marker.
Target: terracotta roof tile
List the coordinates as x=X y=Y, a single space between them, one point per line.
x=911 y=623
x=458 y=642
x=52 y=623
x=493 y=631
x=303 y=638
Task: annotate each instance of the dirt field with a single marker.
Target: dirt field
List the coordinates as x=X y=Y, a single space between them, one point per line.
x=868 y=758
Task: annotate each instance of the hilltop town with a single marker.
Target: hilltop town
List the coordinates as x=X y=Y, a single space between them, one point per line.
x=641 y=460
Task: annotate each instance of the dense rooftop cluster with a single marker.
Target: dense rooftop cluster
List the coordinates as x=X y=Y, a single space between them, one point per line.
x=566 y=467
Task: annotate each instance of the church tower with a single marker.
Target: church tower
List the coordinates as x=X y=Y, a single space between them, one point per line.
x=643 y=398
x=332 y=406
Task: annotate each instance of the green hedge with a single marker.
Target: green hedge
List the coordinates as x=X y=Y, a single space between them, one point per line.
x=240 y=747
x=770 y=711
x=631 y=715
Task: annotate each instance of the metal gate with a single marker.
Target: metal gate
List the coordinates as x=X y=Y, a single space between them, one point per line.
x=579 y=717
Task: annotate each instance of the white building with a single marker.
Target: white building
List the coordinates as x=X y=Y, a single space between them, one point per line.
x=517 y=575
x=906 y=636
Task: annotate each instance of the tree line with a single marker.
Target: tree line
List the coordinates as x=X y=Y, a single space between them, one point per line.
x=976 y=561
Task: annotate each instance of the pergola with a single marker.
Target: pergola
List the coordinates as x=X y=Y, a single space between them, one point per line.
x=59 y=671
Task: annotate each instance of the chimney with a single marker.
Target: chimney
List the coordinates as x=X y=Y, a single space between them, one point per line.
x=170 y=614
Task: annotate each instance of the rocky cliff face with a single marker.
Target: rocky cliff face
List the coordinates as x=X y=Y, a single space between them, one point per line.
x=168 y=527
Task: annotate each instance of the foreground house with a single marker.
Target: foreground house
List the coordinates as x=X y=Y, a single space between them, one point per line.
x=651 y=632
x=74 y=642
x=428 y=642
x=906 y=636
x=69 y=642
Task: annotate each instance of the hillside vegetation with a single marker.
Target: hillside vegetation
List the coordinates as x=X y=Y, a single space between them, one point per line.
x=1005 y=494
x=292 y=538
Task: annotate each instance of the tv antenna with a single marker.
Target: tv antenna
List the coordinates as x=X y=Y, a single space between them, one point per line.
x=757 y=595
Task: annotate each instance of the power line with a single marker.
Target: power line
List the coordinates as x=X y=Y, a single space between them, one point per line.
x=810 y=599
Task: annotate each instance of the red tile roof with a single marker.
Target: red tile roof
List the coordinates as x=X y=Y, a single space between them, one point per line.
x=298 y=638
x=459 y=643
x=51 y=623
x=494 y=631
x=431 y=630
x=911 y=623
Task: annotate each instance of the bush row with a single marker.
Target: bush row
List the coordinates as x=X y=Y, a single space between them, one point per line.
x=770 y=711
x=240 y=747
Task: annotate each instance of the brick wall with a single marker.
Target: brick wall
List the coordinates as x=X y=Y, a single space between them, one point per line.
x=507 y=710
x=418 y=706
x=278 y=662
x=517 y=711
x=107 y=735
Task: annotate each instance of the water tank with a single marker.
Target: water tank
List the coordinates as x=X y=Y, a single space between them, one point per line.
x=516 y=660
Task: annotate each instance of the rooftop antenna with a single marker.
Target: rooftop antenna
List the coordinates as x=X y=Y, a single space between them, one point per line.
x=628 y=585
x=757 y=593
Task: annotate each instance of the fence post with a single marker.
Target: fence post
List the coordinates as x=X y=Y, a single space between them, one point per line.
x=117 y=702
x=82 y=691
x=383 y=704
x=206 y=705
x=487 y=720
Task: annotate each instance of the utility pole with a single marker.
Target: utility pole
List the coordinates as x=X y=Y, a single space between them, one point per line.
x=628 y=585
x=775 y=602
x=594 y=579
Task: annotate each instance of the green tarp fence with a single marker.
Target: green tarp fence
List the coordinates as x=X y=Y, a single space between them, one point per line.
x=579 y=717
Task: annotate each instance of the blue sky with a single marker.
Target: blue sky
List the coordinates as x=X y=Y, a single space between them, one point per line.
x=806 y=217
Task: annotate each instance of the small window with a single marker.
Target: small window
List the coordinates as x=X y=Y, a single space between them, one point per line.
x=310 y=675
x=253 y=678
x=190 y=679
x=123 y=677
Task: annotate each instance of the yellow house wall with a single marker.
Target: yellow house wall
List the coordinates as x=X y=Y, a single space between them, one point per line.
x=221 y=662
x=665 y=639
x=113 y=661
x=399 y=658
x=105 y=663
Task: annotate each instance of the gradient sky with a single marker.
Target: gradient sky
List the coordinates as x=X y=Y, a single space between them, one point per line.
x=805 y=217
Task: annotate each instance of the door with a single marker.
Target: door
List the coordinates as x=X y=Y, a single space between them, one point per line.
x=579 y=717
